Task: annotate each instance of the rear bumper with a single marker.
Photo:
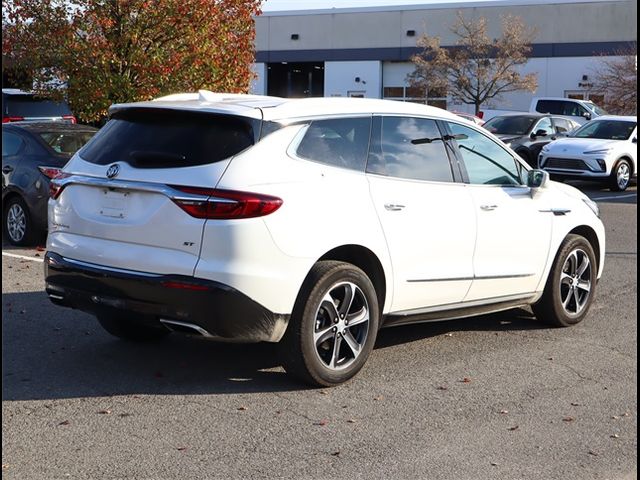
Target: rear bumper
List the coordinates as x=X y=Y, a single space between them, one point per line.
x=216 y=309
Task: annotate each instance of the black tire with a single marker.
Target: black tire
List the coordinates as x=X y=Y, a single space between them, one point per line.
x=300 y=354
x=614 y=184
x=550 y=308
x=15 y=205
x=128 y=327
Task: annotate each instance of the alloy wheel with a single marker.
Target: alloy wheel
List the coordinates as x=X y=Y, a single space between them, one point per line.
x=341 y=326
x=623 y=175
x=16 y=223
x=575 y=282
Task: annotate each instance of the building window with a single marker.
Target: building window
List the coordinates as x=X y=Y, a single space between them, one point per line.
x=437 y=97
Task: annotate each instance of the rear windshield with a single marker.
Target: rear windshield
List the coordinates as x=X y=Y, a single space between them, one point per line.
x=510 y=125
x=154 y=138
x=66 y=143
x=30 y=106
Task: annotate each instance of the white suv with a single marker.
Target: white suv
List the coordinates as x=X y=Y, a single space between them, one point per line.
x=312 y=223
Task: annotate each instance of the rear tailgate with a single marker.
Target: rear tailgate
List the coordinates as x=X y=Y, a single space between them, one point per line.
x=120 y=206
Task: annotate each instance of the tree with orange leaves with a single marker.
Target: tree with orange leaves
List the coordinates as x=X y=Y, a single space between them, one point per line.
x=112 y=51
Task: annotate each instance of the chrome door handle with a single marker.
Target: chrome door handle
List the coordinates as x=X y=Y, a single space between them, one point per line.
x=488 y=208
x=393 y=207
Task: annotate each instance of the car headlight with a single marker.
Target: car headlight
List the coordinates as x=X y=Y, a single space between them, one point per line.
x=593 y=206
x=601 y=150
x=545 y=148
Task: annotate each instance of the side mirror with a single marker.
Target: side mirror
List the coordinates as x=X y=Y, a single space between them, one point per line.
x=541 y=133
x=537 y=179
x=635 y=140
x=587 y=115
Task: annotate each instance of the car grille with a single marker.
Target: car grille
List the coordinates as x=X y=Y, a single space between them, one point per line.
x=566 y=163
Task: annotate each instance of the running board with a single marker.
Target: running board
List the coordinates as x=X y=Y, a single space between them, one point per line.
x=455 y=311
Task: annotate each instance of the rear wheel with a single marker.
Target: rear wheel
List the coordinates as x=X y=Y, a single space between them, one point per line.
x=128 y=327
x=620 y=176
x=571 y=284
x=18 y=226
x=333 y=326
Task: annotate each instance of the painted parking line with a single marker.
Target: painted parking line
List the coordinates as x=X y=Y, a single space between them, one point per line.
x=614 y=197
x=22 y=257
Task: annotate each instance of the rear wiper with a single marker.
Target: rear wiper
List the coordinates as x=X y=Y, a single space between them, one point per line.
x=420 y=141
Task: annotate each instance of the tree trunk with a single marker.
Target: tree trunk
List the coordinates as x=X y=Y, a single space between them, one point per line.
x=477 y=108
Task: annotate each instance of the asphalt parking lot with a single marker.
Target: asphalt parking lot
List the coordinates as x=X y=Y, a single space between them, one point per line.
x=499 y=396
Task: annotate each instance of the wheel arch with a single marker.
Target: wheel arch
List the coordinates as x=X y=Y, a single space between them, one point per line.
x=629 y=161
x=367 y=261
x=592 y=237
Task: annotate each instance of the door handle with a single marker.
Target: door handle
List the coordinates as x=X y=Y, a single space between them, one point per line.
x=7 y=169
x=488 y=208
x=392 y=207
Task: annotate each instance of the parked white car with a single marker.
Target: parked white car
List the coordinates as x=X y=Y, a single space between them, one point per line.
x=603 y=150
x=312 y=223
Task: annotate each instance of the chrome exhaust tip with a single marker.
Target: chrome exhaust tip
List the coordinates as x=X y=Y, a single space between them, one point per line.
x=184 y=327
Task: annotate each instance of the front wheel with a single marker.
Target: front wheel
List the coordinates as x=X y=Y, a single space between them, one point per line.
x=333 y=326
x=571 y=284
x=620 y=176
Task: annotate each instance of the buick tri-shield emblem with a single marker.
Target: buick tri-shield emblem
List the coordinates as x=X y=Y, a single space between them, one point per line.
x=113 y=170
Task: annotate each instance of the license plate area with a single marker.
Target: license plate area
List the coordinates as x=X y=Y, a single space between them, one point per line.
x=113 y=203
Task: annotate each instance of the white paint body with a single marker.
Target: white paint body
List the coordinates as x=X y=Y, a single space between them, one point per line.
x=442 y=249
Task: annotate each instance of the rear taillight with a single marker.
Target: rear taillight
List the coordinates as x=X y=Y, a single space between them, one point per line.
x=55 y=187
x=51 y=172
x=226 y=204
x=8 y=119
x=69 y=118
x=480 y=115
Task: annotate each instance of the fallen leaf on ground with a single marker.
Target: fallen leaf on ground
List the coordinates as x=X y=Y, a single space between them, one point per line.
x=504 y=412
x=378 y=398
x=66 y=422
x=615 y=435
x=104 y=412
x=494 y=464
x=321 y=423
x=442 y=387
x=122 y=415
x=466 y=380
x=514 y=428
x=595 y=454
x=243 y=408
x=336 y=453
x=181 y=449
x=36 y=254
x=568 y=419
x=576 y=404
x=614 y=417
x=351 y=420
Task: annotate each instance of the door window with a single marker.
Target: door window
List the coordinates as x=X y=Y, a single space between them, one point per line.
x=562 y=125
x=486 y=162
x=545 y=125
x=550 y=106
x=411 y=148
x=11 y=144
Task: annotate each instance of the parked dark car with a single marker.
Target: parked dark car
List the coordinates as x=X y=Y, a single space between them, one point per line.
x=526 y=134
x=32 y=154
x=21 y=106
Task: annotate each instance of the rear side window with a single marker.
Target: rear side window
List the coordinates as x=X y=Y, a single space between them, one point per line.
x=411 y=148
x=30 y=106
x=563 y=125
x=154 y=138
x=11 y=144
x=341 y=142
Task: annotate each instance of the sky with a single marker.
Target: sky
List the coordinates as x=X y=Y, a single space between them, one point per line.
x=279 y=5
